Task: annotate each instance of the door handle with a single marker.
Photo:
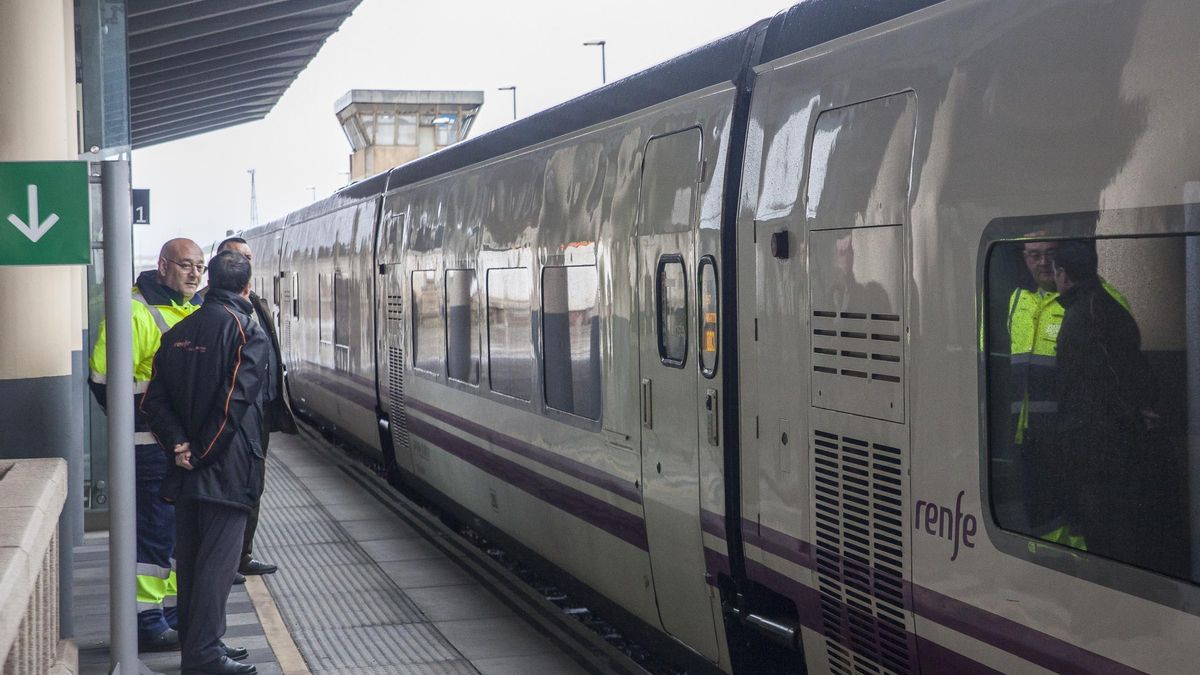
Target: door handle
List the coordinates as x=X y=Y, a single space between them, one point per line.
x=647 y=405
x=710 y=413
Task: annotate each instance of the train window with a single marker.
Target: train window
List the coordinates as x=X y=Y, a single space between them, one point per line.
x=510 y=332
x=325 y=308
x=1090 y=343
x=406 y=130
x=709 y=309
x=671 y=300
x=341 y=310
x=571 y=340
x=427 y=343
x=672 y=169
x=462 y=326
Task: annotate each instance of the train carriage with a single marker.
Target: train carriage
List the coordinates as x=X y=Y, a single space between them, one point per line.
x=728 y=342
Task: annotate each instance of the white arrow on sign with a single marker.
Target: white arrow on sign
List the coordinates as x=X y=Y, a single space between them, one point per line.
x=34 y=229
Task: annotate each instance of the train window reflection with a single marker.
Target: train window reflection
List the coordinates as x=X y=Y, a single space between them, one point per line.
x=671 y=297
x=341 y=309
x=571 y=340
x=510 y=331
x=709 y=308
x=427 y=322
x=325 y=308
x=1090 y=342
x=462 y=326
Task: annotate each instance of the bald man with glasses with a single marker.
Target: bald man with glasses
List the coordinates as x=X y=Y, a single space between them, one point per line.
x=161 y=298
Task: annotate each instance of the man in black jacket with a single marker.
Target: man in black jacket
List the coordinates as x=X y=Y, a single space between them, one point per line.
x=277 y=416
x=1105 y=394
x=204 y=405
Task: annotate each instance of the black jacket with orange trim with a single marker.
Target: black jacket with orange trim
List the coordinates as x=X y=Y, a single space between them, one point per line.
x=206 y=390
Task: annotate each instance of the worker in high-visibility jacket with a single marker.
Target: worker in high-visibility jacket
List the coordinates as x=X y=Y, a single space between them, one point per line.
x=161 y=298
x=1034 y=319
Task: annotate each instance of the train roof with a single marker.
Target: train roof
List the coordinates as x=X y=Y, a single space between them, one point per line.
x=727 y=59
x=811 y=23
x=713 y=63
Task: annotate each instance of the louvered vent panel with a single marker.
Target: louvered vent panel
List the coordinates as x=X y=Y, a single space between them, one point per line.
x=858 y=362
x=860 y=553
x=287 y=339
x=397 y=413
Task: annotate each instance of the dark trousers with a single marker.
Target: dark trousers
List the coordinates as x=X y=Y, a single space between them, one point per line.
x=208 y=541
x=155 y=542
x=252 y=518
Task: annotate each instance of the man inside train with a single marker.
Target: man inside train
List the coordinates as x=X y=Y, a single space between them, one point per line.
x=1105 y=394
x=1033 y=323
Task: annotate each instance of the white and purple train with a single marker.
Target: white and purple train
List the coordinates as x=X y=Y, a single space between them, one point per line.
x=724 y=342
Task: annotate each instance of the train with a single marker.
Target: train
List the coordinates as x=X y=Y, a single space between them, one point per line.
x=724 y=343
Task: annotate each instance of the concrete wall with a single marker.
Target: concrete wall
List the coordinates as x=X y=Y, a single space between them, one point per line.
x=41 y=308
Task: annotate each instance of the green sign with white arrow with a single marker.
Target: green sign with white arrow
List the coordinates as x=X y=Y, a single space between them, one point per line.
x=44 y=213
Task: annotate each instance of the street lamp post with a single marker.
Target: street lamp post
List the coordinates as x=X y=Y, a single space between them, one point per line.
x=513 y=89
x=603 y=70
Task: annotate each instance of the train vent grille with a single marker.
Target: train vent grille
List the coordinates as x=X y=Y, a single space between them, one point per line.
x=860 y=554
x=395 y=308
x=859 y=345
x=287 y=340
x=398 y=412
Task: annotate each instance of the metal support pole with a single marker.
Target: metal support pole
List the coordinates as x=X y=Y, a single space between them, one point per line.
x=603 y=67
x=118 y=263
x=513 y=89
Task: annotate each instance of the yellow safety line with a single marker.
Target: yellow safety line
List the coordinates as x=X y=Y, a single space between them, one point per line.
x=276 y=630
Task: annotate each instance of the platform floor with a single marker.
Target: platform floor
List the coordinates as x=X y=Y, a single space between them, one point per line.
x=358 y=590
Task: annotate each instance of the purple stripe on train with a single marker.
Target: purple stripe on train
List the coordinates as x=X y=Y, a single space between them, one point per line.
x=555 y=461
x=617 y=522
x=1027 y=643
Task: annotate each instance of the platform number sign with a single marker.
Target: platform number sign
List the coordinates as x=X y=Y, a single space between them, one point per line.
x=44 y=213
x=141 y=207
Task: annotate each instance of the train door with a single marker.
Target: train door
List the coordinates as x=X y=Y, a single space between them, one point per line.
x=666 y=283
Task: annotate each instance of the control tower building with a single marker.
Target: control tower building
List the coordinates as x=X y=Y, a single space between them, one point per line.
x=387 y=128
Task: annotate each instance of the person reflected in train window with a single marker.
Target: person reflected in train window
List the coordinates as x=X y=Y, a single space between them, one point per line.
x=849 y=294
x=1105 y=390
x=1034 y=320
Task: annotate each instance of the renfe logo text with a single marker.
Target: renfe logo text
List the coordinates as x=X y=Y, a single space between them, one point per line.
x=940 y=521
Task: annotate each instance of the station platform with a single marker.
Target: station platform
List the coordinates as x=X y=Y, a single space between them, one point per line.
x=366 y=584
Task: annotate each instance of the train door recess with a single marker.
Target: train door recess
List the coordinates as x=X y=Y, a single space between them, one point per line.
x=390 y=339
x=666 y=283
x=857 y=228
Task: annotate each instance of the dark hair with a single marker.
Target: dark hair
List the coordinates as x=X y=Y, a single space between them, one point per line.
x=229 y=270
x=231 y=240
x=1078 y=259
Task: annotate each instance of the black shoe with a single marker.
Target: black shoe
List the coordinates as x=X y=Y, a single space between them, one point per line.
x=166 y=641
x=253 y=566
x=222 y=666
x=239 y=578
x=235 y=653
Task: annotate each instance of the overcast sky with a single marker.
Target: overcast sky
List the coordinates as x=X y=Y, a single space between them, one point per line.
x=200 y=187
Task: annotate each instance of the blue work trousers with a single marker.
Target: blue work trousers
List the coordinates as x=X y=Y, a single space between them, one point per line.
x=156 y=585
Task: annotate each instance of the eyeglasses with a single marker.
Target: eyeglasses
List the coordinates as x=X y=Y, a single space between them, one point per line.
x=189 y=266
x=1039 y=256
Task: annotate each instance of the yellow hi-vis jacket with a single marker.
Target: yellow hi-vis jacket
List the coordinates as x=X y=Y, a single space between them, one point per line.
x=154 y=311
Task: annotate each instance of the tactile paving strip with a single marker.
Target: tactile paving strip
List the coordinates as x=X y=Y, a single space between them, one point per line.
x=344 y=613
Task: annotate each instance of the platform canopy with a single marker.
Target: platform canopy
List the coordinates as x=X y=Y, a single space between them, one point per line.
x=200 y=65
